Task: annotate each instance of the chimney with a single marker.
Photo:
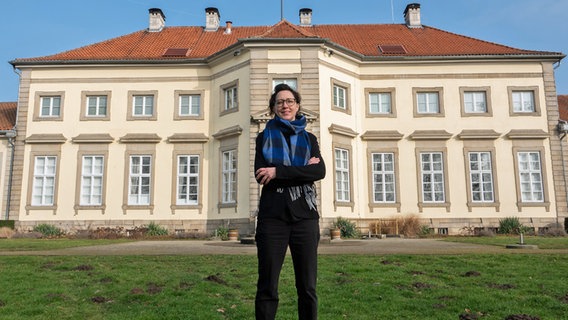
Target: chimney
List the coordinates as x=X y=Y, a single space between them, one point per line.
x=157 y=20
x=212 y=18
x=228 y=26
x=305 y=17
x=412 y=15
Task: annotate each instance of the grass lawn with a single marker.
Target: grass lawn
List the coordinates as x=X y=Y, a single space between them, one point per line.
x=481 y=286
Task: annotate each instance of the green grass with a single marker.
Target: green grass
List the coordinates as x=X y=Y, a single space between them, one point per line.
x=51 y=244
x=223 y=286
x=541 y=242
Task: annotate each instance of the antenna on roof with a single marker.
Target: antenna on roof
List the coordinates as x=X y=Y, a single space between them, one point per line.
x=392 y=12
x=281 y=10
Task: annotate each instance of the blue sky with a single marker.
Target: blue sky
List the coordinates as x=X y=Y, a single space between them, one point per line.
x=31 y=28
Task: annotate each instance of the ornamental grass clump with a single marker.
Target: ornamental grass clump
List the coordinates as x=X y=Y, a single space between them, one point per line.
x=48 y=230
x=348 y=229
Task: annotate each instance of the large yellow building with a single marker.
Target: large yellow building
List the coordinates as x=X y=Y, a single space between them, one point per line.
x=159 y=126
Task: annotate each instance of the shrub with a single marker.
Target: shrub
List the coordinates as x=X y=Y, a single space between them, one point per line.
x=48 y=230
x=348 y=229
x=554 y=230
x=222 y=232
x=156 y=230
x=485 y=232
x=511 y=225
x=8 y=224
x=409 y=225
x=6 y=232
x=107 y=233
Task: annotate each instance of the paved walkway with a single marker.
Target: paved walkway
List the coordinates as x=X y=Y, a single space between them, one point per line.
x=366 y=247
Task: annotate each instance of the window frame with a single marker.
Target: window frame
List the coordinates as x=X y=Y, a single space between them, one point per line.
x=439 y=91
x=285 y=79
x=130 y=116
x=480 y=172
x=487 y=94
x=224 y=109
x=531 y=172
x=383 y=173
x=391 y=92
x=179 y=175
x=141 y=175
x=534 y=90
x=38 y=102
x=178 y=94
x=335 y=83
x=232 y=171
x=431 y=146
x=93 y=176
x=85 y=95
x=44 y=176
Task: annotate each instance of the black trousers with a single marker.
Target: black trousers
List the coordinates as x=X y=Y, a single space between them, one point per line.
x=273 y=237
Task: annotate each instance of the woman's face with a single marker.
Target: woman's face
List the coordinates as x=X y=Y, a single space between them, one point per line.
x=286 y=107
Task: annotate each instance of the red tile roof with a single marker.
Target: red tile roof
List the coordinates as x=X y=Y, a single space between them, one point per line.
x=563 y=107
x=362 y=39
x=8 y=115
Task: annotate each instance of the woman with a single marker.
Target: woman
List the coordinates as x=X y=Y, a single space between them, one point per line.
x=287 y=162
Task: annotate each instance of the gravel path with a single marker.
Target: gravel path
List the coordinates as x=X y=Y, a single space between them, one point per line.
x=366 y=247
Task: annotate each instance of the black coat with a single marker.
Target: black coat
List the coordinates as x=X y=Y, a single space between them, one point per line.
x=274 y=200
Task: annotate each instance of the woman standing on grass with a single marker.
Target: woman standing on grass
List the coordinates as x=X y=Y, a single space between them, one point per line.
x=287 y=163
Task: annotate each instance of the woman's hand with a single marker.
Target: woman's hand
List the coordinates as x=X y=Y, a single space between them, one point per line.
x=313 y=160
x=264 y=175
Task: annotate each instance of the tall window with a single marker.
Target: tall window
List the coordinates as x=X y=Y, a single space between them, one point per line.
x=188 y=179
x=339 y=97
x=139 y=180
x=530 y=175
x=92 y=180
x=342 y=191
x=293 y=83
x=229 y=174
x=481 y=177
x=428 y=102
x=383 y=178
x=189 y=104
x=143 y=106
x=50 y=106
x=44 y=181
x=96 y=106
x=523 y=101
x=231 y=98
x=380 y=103
x=475 y=102
x=432 y=167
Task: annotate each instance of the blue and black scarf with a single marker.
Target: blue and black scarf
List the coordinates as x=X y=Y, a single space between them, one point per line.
x=275 y=148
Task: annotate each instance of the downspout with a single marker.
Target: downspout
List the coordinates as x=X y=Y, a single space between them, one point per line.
x=11 y=134
x=561 y=127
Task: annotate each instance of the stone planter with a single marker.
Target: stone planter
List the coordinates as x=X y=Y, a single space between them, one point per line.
x=233 y=234
x=335 y=234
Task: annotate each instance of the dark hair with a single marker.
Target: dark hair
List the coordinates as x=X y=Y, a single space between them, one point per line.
x=282 y=87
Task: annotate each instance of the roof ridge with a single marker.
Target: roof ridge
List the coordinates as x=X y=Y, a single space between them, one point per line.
x=284 y=25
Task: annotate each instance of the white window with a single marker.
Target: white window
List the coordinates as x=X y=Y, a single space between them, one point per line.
x=231 y=98
x=383 y=178
x=188 y=179
x=189 y=104
x=44 y=181
x=340 y=97
x=50 y=106
x=475 y=102
x=229 y=174
x=428 y=102
x=293 y=83
x=342 y=191
x=481 y=177
x=380 y=103
x=96 y=106
x=530 y=177
x=139 y=180
x=432 y=177
x=143 y=106
x=92 y=180
x=523 y=101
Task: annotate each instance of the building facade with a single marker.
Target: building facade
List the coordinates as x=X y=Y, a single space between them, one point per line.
x=159 y=126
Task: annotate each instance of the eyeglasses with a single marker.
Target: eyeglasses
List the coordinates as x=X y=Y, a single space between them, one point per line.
x=289 y=102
